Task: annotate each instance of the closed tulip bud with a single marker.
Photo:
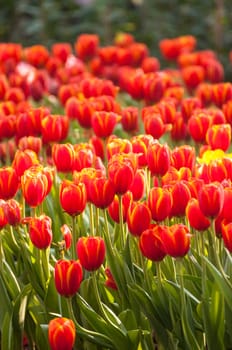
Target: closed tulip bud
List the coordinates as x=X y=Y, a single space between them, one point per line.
x=196 y=218
x=63 y=157
x=34 y=186
x=9 y=182
x=211 y=199
x=158 y=158
x=68 y=277
x=3 y=217
x=82 y=111
x=73 y=197
x=150 y=243
x=181 y=195
x=188 y=105
x=160 y=202
x=30 y=142
x=221 y=93
x=23 y=160
x=154 y=125
x=12 y=212
x=61 y=333
x=140 y=144
x=179 y=129
x=67 y=235
x=198 y=125
x=83 y=156
x=176 y=240
x=91 y=252
x=193 y=75
x=110 y=282
x=226 y=231
x=40 y=231
x=101 y=192
x=137 y=187
x=113 y=208
x=138 y=218
x=86 y=46
x=54 y=128
x=130 y=119
x=103 y=123
x=218 y=136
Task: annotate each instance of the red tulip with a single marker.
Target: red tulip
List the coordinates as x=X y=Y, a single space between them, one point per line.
x=226 y=231
x=198 y=125
x=183 y=156
x=40 y=231
x=158 y=158
x=103 y=123
x=138 y=218
x=9 y=182
x=73 y=197
x=86 y=46
x=196 y=218
x=61 y=334
x=101 y=191
x=67 y=235
x=12 y=212
x=23 y=160
x=219 y=136
x=113 y=208
x=82 y=111
x=68 y=277
x=34 y=186
x=91 y=252
x=150 y=243
x=181 y=195
x=140 y=144
x=176 y=240
x=30 y=142
x=63 y=156
x=110 y=282
x=54 y=128
x=61 y=51
x=211 y=199
x=137 y=186
x=3 y=216
x=160 y=202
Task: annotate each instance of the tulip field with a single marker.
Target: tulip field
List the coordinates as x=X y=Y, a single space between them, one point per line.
x=115 y=196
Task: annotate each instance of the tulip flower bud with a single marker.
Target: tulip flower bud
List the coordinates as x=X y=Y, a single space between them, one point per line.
x=9 y=182
x=160 y=203
x=61 y=334
x=176 y=240
x=91 y=252
x=150 y=243
x=63 y=156
x=73 y=197
x=136 y=211
x=40 y=231
x=68 y=277
x=196 y=218
x=211 y=199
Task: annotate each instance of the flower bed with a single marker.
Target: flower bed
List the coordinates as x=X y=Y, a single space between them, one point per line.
x=115 y=196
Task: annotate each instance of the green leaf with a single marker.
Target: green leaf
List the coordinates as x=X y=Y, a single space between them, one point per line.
x=5 y=302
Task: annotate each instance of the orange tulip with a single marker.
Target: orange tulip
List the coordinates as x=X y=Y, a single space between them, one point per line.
x=61 y=333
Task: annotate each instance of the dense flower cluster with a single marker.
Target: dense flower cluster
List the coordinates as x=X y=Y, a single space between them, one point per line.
x=116 y=166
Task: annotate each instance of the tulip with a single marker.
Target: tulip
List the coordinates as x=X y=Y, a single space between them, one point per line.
x=226 y=231
x=36 y=55
x=61 y=333
x=68 y=277
x=54 y=128
x=137 y=187
x=113 y=208
x=86 y=46
x=176 y=240
x=103 y=123
x=204 y=93
x=198 y=125
x=30 y=142
x=183 y=156
x=23 y=160
x=140 y=144
x=61 y=51
x=160 y=202
x=211 y=199
x=83 y=156
x=67 y=235
x=193 y=75
x=218 y=136
x=34 y=186
x=110 y=282
x=40 y=231
x=181 y=195
x=101 y=191
x=196 y=218
x=91 y=252
x=82 y=111
x=3 y=216
x=179 y=129
x=188 y=105
x=130 y=119
x=121 y=171
x=117 y=145
x=63 y=157
x=154 y=125
x=221 y=93
x=7 y=126
x=158 y=158
x=138 y=218
x=9 y=182
x=73 y=197
x=150 y=243
x=12 y=212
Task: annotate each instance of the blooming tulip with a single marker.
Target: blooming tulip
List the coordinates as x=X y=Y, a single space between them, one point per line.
x=91 y=252
x=61 y=333
x=68 y=277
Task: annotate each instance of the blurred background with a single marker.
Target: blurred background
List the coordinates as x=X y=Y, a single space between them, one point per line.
x=31 y=22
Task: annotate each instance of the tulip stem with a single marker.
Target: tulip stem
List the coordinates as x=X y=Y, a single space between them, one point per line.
x=122 y=233
x=99 y=302
x=91 y=219
x=74 y=238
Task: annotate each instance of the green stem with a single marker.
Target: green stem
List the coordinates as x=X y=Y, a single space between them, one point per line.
x=91 y=219
x=122 y=233
x=74 y=238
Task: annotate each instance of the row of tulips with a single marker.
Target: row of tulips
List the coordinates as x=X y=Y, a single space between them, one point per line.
x=115 y=195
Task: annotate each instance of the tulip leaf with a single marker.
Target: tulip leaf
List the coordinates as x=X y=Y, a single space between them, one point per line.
x=222 y=284
x=4 y=302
